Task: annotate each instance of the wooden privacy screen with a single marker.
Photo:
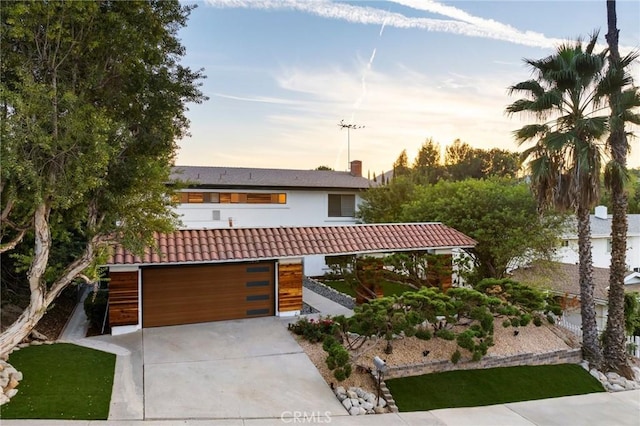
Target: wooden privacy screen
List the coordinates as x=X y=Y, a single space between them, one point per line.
x=290 y=287
x=123 y=298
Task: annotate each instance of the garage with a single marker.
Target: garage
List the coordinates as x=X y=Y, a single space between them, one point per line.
x=173 y=295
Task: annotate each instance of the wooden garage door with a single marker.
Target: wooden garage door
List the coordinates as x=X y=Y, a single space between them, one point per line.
x=191 y=294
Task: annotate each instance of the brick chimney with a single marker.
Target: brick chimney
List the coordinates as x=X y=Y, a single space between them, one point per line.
x=356 y=168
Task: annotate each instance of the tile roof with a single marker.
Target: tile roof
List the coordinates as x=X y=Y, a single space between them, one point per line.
x=229 y=177
x=565 y=278
x=241 y=244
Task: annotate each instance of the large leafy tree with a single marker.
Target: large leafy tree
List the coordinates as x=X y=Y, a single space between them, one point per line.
x=92 y=101
x=623 y=98
x=500 y=214
x=427 y=166
x=565 y=162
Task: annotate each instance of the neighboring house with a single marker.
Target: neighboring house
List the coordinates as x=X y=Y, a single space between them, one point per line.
x=201 y=275
x=563 y=280
x=230 y=197
x=601 y=241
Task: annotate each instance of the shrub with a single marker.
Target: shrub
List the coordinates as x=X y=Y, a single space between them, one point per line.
x=445 y=334
x=328 y=342
x=339 y=374
x=525 y=319
x=477 y=355
x=423 y=333
x=455 y=357
x=337 y=359
x=515 y=322
x=95 y=307
x=551 y=319
x=537 y=321
x=347 y=370
x=331 y=362
x=506 y=323
x=314 y=330
x=465 y=340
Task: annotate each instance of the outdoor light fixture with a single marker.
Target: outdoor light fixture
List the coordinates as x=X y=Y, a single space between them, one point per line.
x=381 y=368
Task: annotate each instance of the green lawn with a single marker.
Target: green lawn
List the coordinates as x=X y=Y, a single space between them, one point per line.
x=61 y=381
x=389 y=288
x=471 y=388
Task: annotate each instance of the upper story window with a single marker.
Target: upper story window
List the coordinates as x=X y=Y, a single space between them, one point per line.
x=342 y=205
x=231 y=198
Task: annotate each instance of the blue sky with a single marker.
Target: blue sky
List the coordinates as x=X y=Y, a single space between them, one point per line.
x=282 y=74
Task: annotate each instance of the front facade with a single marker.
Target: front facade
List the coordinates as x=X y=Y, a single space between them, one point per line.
x=221 y=274
x=601 y=242
x=230 y=197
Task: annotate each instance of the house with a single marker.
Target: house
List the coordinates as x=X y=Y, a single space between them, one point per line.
x=201 y=275
x=601 y=241
x=563 y=280
x=230 y=197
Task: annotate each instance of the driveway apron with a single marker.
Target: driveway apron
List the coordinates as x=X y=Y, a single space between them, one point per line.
x=250 y=368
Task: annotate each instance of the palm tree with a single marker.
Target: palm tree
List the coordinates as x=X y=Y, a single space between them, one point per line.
x=622 y=99
x=565 y=161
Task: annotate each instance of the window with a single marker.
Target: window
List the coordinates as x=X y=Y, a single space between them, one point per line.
x=342 y=205
x=565 y=243
x=231 y=198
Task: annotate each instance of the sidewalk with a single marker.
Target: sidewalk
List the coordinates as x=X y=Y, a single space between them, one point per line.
x=620 y=409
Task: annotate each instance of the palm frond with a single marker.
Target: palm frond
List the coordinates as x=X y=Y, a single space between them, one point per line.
x=616 y=175
x=530 y=131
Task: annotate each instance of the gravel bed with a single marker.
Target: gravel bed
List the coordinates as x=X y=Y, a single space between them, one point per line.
x=308 y=309
x=330 y=293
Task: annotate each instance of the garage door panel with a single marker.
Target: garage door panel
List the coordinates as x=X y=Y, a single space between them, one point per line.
x=183 y=295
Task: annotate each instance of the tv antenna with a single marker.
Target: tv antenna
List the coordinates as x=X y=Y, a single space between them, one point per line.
x=344 y=125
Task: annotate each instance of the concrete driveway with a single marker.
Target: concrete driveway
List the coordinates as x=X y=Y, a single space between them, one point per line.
x=230 y=369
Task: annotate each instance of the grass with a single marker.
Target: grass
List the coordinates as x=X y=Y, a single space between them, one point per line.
x=61 y=381
x=389 y=288
x=472 y=388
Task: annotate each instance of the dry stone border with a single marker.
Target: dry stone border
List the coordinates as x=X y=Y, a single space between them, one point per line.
x=613 y=382
x=9 y=380
x=358 y=402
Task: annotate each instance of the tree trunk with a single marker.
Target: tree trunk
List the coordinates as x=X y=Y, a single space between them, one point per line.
x=615 y=358
x=590 y=345
x=41 y=297
x=37 y=307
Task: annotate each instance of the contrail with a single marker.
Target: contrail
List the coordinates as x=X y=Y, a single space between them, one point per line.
x=463 y=23
x=370 y=15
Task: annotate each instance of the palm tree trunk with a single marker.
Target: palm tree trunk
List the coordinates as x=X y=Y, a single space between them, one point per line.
x=590 y=345
x=615 y=358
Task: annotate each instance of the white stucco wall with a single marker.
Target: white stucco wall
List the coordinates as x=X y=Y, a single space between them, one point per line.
x=303 y=208
x=600 y=252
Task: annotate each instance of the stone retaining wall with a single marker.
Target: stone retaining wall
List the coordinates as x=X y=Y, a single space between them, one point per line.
x=569 y=356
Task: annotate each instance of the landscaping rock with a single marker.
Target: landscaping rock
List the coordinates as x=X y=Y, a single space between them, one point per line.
x=382 y=403
x=347 y=404
x=9 y=380
x=357 y=401
x=616 y=387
